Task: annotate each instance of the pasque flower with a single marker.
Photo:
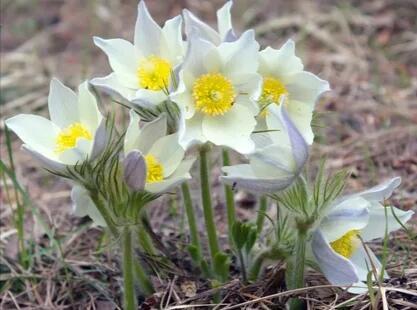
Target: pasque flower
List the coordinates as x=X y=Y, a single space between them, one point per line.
x=216 y=93
x=75 y=132
x=143 y=72
x=278 y=160
x=283 y=75
x=153 y=160
x=337 y=243
x=224 y=23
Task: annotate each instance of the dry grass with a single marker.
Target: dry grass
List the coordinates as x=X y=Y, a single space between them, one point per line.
x=367 y=49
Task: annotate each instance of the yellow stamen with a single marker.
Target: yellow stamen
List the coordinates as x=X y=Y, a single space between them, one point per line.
x=154 y=170
x=154 y=73
x=68 y=137
x=213 y=94
x=272 y=91
x=347 y=244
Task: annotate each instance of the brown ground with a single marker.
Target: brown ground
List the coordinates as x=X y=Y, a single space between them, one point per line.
x=366 y=49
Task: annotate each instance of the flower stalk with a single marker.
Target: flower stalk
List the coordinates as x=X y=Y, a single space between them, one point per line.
x=263 y=204
x=228 y=191
x=298 y=267
x=192 y=223
x=207 y=205
x=128 y=270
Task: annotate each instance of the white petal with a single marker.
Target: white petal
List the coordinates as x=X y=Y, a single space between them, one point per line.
x=172 y=44
x=89 y=115
x=123 y=59
x=280 y=63
x=37 y=132
x=47 y=163
x=194 y=61
x=134 y=170
x=337 y=269
x=233 y=129
x=243 y=176
x=362 y=260
x=148 y=98
x=168 y=152
x=379 y=223
x=191 y=130
x=147 y=32
x=183 y=98
x=111 y=85
x=240 y=56
x=351 y=214
x=84 y=205
x=301 y=114
x=382 y=191
x=62 y=104
x=143 y=138
x=224 y=19
x=192 y=23
x=77 y=154
x=306 y=87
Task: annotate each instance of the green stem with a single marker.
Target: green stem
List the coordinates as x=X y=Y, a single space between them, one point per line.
x=297 y=276
x=128 y=275
x=189 y=210
x=242 y=266
x=230 y=203
x=144 y=282
x=257 y=265
x=145 y=242
x=206 y=199
x=263 y=204
x=104 y=213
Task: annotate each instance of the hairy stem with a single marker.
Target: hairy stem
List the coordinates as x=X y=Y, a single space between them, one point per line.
x=263 y=204
x=230 y=204
x=206 y=200
x=128 y=275
x=297 y=276
x=192 y=223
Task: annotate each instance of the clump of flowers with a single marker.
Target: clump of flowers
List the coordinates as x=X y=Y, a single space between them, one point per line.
x=217 y=89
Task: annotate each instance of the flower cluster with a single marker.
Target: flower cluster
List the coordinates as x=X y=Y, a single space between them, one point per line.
x=215 y=89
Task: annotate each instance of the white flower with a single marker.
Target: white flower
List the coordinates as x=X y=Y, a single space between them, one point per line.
x=283 y=75
x=224 y=23
x=218 y=86
x=75 y=132
x=336 y=246
x=278 y=161
x=143 y=72
x=162 y=155
x=83 y=205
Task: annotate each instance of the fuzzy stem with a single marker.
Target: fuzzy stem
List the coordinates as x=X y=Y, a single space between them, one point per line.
x=242 y=266
x=192 y=223
x=145 y=241
x=207 y=206
x=104 y=213
x=230 y=204
x=263 y=204
x=128 y=275
x=297 y=277
x=257 y=265
x=144 y=282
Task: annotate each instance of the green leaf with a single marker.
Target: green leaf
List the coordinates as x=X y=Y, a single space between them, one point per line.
x=221 y=265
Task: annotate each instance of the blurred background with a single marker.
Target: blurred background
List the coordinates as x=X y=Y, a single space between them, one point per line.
x=366 y=49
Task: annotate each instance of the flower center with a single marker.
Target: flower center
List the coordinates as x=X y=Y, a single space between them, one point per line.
x=213 y=94
x=154 y=73
x=155 y=171
x=68 y=137
x=272 y=91
x=347 y=244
